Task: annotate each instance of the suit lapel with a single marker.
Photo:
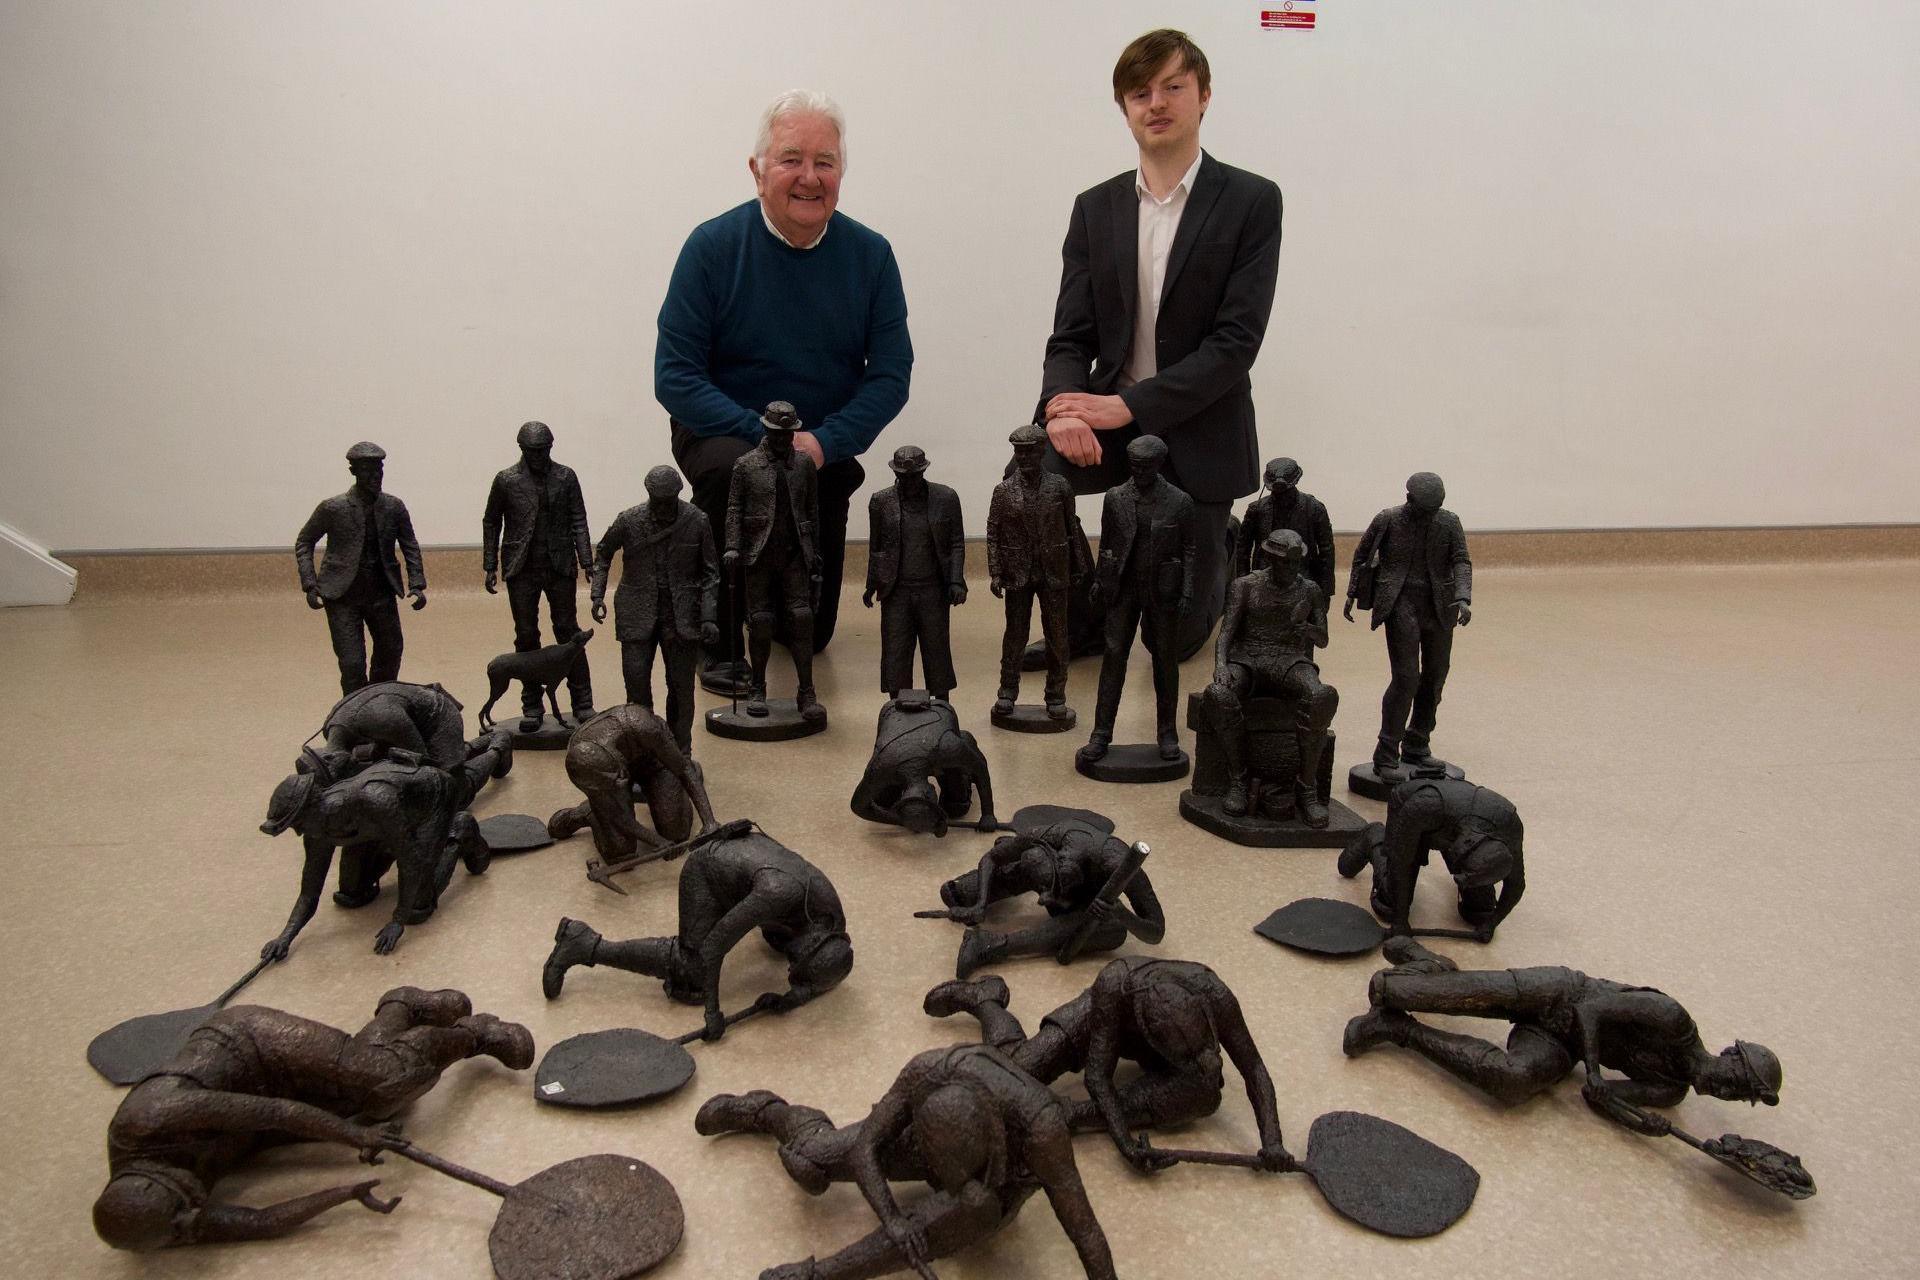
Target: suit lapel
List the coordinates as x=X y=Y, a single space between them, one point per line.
x=1124 y=209
x=1207 y=186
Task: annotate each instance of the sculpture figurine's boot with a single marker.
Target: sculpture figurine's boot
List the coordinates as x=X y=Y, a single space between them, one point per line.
x=1374 y=1028
x=804 y=700
x=509 y=1042
x=567 y=821
x=1003 y=701
x=424 y=1008
x=573 y=943
x=978 y=947
x=1386 y=756
x=759 y=648
x=734 y=1112
x=1239 y=797
x=1408 y=956
x=1306 y=789
x=962 y=995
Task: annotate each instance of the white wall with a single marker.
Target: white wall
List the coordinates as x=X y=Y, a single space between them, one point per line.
x=1601 y=265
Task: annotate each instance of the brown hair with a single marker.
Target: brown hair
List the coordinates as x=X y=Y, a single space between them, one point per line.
x=1142 y=60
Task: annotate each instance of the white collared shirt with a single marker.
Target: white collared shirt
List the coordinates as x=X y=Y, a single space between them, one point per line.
x=783 y=240
x=1159 y=221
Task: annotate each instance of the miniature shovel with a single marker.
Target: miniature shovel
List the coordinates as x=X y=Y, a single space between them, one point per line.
x=1382 y=1176
x=128 y=1052
x=622 y=1066
x=1764 y=1163
x=1329 y=927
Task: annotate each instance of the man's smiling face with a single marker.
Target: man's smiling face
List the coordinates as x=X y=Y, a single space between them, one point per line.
x=799 y=176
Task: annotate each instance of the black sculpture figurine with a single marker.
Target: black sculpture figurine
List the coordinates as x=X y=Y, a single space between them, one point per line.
x=773 y=512
x=539 y=672
x=917 y=566
x=422 y=719
x=251 y=1078
x=358 y=583
x=728 y=888
x=1283 y=506
x=621 y=750
x=1035 y=548
x=981 y=1132
x=1478 y=834
x=1411 y=569
x=392 y=813
x=1078 y=872
x=1265 y=679
x=1564 y=1019
x=1172 y=1018
x=535 y=533
x=1145 y=581
x=917 y=746
x=669 y=596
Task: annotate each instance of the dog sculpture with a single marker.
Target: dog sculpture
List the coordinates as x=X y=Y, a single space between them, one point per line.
x=543 y=667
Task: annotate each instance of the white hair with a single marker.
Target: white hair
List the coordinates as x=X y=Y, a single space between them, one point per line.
x=800 y=102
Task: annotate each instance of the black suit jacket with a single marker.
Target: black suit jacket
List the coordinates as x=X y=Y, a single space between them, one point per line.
x=1214 y=305
x=1391 y=545
x=342 y=522
x=693 y=572
x=884 y=549
x=1169 y=541
x=506 y=531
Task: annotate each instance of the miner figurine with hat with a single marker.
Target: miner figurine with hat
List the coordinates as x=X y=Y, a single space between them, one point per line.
x=1283 y=506
x=535 y=534
x=1411 y=568
x=1035 y=548
x=1478 y=834
x=359 y=583
x=917 y=566
x=1274 y=620
x=773 y=512
x=668 y=599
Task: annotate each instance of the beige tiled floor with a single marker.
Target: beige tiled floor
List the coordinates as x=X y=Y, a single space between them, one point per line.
x=1700 y=756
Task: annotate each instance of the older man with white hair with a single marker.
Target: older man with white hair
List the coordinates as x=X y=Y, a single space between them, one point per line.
x=780 y=299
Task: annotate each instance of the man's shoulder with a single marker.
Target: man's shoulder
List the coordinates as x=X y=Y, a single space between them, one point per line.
x=724 y=228
x=859 y=235
x=1121 y=183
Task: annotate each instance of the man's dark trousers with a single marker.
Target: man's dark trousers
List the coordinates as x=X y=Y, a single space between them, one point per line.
x=524 y=590
x=1420 y=647
x=366 y=603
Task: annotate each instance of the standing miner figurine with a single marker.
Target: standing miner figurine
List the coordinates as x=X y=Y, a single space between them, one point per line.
x=1274 y=620
x=536 y=523
x=1035 y=547
x=917 y=566
x=773 y=510
x=668 y=598
x=1146 y=582
x=1283 y=506
x=359 y=583
x=1411 y=568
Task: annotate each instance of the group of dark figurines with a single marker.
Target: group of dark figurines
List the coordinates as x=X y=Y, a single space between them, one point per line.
x=391 y=777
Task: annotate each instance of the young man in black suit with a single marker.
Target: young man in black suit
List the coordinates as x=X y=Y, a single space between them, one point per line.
x=1166 y=283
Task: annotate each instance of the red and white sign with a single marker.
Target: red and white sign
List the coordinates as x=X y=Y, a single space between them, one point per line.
x=1287 y=18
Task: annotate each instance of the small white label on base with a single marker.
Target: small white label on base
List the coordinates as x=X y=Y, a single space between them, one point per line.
x=552 y=1087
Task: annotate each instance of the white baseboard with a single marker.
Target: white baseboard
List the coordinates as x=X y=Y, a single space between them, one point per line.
x=28 y=575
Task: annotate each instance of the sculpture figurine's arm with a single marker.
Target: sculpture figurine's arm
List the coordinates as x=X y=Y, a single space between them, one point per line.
x=736 y=508
x=1320 y=554
x=1147 y=921
x=746 y=915
x=1189 y=519
x=956 y=553
x=216 y=1111
x=1656 y=1011
x=886 y=1122
x=603 y=559
x=1050 y=1161
x=490 y=524
x=310 y=533
x=1316 y=627
x=866 y=803
x=1080 y=555
x=961 y=750
x=876 y=505
x=1512 y=889
x=313 y=881
x=668 y=751
x=1108 y=997
x=1462 y=566
x=410 y=552
x=1245 y=538
x=1407 y=826
x=1230 y=1024
x=995 y=532
x=1230 y=620
x=577 y=512
x=1363 y=552
x=709 y=575
x=1004 y=852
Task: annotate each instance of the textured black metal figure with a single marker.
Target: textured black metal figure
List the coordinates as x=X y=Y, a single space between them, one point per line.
x=981 y=1132
x=669 y=596
x=1283 y=506
x=773 y=511
x=411 y=816
x=1171 y=1018
x=1035 y=550
x=1478 y=834
x=251 y=1078
x=622 y=749
x=1411 y=569
x=728 y=888
x=423 y=719
x=917 y=566
x=358 y=582
x=1078 y=872
x=924 y=769
x=1147 y=530
x=1564 y=1019
x=535 y=534
x=539 y=672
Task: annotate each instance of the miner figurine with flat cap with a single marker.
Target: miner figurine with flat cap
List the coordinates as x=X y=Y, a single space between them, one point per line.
x=1035 y=549
x=358 y=582
x=917 y=566
x=1411 y=568
x=1274 y=620
x=1283 y=506
x=535 y=532
x=668 y=599
x=773 y=510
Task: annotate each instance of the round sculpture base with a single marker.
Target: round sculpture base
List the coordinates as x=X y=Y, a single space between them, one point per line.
x=514 y=833
x=552 y=734
x=1363 y=780
x=1031 y=717
x=1134 y=762
x=782 y=723
x=1255 y=831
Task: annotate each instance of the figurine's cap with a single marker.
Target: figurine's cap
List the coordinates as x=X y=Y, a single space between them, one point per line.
x=1285 y=543
x=663 y=479
x=909 y=459
x=535 y=435
x=366 y=451
x=1030 y=436
x=780 y=416
x=1762 y=1069
x=1285 y=469
x=1426 y=488
x=1147 y=449
x=289 y=801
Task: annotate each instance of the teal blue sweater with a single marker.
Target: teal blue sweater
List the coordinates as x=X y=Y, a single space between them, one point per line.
x=748 y=319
